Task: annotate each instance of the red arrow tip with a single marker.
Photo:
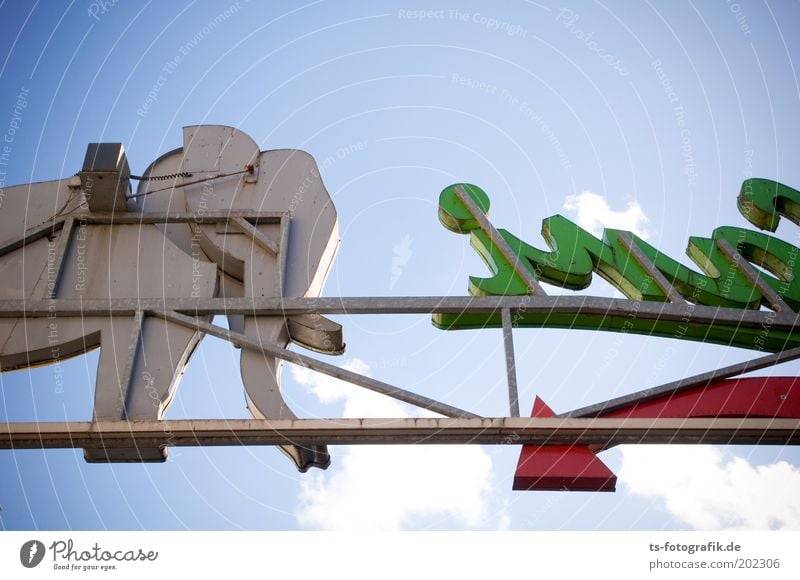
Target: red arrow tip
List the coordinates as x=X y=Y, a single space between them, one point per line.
x=560 y=467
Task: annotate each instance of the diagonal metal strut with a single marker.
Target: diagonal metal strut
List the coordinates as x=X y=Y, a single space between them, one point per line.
x=305 y=361
x=685 y=384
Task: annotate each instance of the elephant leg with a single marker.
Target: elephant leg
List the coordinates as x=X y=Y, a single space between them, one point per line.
x=261 y=375
x=159 y=367
x=137 y=376
x=113 y=368
x=140 y=365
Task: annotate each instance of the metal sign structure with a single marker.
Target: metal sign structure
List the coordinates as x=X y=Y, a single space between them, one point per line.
x=219 y=227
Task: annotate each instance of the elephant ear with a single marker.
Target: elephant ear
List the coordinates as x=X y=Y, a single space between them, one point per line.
x=294 y=184
x=284 y=181
x=211 y=151
x=218 y=150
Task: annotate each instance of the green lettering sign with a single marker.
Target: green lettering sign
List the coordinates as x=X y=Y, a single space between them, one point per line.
x=728 y=278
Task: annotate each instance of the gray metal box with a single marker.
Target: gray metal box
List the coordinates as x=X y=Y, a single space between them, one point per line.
x=105 y=177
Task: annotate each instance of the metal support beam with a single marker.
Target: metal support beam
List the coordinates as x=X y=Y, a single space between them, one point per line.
x=404 y=305
x=31 y=235
x=64 y=240
x=245 y=341
x=499 y=243
x=773 y=298
x=132 y=218
x=511 y=367
x=259 y=237
x=283 y=252
x=685 y=384
x=134 y=343
x=553 y=431
x=640 y=257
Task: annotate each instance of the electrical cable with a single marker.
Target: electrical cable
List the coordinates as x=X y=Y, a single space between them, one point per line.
x=248 y=169
x=161 y=177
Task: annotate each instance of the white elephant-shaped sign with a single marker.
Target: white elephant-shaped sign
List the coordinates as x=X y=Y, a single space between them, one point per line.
x=60 y=246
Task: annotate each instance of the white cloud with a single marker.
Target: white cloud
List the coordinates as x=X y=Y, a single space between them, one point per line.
x=711 y=489
x=383 y=487
x=358 y=402
x=593 y=213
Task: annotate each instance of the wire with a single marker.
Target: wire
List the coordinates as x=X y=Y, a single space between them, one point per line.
x=59 y=213
x=161 y=177
x=248 y=169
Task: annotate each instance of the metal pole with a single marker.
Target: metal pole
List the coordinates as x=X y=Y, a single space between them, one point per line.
x=511 y=367
x=402 y=305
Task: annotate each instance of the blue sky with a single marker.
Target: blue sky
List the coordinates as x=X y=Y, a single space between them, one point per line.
x=646 y=116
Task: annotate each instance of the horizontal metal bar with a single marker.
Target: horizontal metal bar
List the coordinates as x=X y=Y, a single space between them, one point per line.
x=256 y=217
x=404 y=305
x=551 y=431
x=357 y=379
x=681 y=385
